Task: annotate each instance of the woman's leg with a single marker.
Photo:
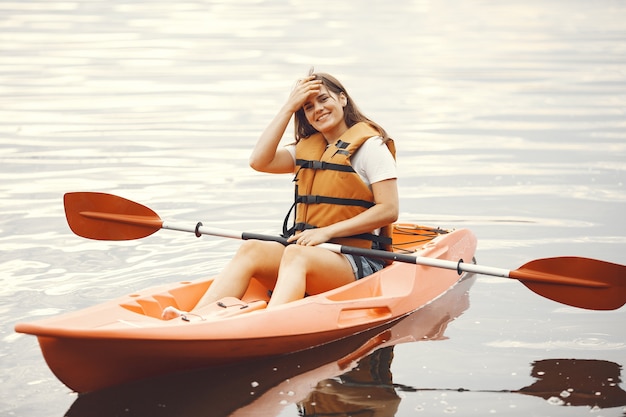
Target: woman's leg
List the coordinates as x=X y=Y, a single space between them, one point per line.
x=254 y=258
x=309 y=269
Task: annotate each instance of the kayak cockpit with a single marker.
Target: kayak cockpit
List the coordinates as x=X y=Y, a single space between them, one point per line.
x=186 y=295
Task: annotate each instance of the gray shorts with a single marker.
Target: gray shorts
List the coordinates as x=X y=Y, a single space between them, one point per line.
x=363 y=266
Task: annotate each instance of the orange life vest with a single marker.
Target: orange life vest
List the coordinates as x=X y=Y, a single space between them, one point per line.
x=328 y=190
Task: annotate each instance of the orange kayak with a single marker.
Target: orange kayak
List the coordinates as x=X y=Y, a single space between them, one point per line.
x=363 y=363
x=126 y=339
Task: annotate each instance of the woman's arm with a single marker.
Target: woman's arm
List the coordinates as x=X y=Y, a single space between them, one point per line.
x=266 y=156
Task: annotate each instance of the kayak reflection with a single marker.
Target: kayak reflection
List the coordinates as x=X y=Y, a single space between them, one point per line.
x=577 y=382
x=367 y=390
x=564 y=382
x=346 y=376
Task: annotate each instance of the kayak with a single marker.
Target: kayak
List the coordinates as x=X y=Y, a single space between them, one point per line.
x=267 y=387
x=127 y=339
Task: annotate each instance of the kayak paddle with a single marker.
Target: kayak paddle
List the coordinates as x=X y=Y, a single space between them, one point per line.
x=575 y=281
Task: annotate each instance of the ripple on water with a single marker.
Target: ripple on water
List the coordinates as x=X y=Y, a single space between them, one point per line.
x=587 y=343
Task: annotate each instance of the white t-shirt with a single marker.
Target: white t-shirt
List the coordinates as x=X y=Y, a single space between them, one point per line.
x=372 y=161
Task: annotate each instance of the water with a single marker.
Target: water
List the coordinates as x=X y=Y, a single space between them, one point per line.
x=509 y=118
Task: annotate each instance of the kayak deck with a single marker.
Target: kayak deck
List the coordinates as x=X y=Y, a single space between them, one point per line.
x=126 y=339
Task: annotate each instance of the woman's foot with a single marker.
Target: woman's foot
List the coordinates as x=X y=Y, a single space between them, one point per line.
x=172 y=313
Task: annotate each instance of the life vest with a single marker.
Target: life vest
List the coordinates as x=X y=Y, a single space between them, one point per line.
x=327 y=188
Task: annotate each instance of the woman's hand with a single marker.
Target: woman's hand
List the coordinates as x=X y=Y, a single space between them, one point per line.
x=311 y=237
x=305 y=88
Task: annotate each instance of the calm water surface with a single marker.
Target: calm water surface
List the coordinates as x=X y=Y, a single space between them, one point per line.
x=509 y=117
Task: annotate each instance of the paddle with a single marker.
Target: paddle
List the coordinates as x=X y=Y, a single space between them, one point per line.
x=579 y=282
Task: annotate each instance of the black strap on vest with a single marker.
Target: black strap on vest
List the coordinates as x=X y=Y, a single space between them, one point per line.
x=341 y=144
x=378 y=241
x=287 y=232
x=320 y=199
x=305 y=163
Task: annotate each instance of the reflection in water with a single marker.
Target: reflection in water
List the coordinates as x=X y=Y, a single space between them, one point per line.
x=340 y=375
x=565 y=382
x=367 y=390
x=577 y=382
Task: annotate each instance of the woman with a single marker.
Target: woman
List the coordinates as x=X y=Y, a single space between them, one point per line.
x=352 y=208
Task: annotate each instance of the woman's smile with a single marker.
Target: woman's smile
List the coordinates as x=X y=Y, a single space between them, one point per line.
x=323 y=117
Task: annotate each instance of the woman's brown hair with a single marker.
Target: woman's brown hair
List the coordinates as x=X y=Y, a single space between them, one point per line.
x=351 y=113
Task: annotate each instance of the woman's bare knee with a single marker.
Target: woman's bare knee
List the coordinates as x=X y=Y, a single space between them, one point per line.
x=259 y=258
x=322 y=269
x=250 y=248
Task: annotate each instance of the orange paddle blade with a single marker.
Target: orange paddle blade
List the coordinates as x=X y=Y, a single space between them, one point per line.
x=103 y=216
x=579 y=282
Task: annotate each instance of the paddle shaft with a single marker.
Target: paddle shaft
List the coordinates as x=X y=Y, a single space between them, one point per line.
x=459 y=266
x=199 y=229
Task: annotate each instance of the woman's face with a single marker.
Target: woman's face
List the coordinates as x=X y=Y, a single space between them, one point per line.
x=324 y=111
